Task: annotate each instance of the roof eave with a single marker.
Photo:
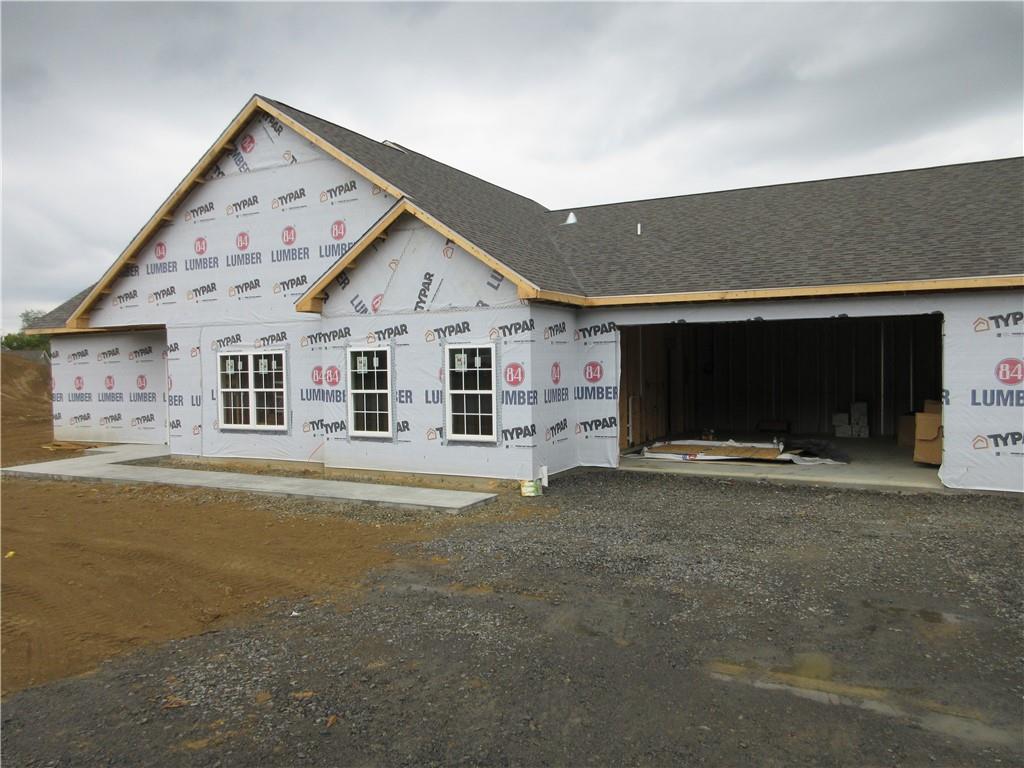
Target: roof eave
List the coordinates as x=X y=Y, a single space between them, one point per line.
x=811 y=291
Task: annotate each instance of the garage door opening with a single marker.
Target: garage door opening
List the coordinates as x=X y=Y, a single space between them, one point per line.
x=754 y=381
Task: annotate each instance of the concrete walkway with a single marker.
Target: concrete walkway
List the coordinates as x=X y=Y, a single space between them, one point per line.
x=107 y=465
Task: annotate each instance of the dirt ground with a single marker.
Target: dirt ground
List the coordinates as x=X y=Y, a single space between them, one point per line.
x=99 y=569
x=25 y=412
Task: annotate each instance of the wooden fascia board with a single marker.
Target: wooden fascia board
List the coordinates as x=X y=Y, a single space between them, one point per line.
x=312 y=300
x=65 y=331
x=559 y=297
x=224 y=142
x=525 y=288
x=329 y=148
x=168 y=206
x=846 y=289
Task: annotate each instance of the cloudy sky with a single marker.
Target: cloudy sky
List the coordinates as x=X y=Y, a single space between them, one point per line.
x=107 y=106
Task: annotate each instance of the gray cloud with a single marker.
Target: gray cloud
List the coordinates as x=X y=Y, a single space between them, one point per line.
x=107 y=106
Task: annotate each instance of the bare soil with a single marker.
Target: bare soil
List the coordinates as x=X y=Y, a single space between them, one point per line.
x=100 y=569
x=26 y=421
x=91 y=571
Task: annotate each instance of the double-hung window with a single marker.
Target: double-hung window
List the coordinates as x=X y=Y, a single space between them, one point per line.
x=253 y=391
x=369 y=392
x=470 y=405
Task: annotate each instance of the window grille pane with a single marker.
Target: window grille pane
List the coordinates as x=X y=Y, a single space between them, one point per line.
x=470 y=399
x=369 y=395
x=252 y=390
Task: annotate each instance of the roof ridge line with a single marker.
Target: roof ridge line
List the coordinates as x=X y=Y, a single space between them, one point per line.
x=787 y=184
x=409 y=150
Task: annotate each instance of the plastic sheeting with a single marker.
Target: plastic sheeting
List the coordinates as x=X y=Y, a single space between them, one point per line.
x=109 y=387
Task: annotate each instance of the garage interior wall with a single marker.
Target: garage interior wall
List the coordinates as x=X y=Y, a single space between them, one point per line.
x=680 y=379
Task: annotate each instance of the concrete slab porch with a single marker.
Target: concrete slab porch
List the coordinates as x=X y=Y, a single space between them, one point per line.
x=108 y=464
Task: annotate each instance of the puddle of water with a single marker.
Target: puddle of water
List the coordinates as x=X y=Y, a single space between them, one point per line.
x=939 y=617
x=813 y=665
x=964 y=724
x=924 y=614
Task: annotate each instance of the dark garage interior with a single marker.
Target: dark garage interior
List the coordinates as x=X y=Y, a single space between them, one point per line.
x=754 y=380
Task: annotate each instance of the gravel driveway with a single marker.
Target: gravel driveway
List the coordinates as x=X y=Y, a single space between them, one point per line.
x=626 y=619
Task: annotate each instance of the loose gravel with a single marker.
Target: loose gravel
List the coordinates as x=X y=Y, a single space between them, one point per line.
x=583 y=627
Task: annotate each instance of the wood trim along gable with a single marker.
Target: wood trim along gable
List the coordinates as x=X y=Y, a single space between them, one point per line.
x=80 y=317
x=329 y=148
x=312 y=299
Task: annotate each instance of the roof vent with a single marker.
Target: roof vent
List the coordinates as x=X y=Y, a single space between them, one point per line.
x=638 y=228
x=571 y=218
x=395 y=145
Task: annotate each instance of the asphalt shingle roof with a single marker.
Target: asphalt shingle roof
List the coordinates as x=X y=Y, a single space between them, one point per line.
x=509 y=227
x=56 y=318
x=952 y=221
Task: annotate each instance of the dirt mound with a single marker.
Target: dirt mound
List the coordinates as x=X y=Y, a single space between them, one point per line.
x=26 y=422
x=24 y=388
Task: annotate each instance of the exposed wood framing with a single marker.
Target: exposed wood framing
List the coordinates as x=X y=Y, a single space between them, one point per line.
x=312 y=300
x=165 y=212
x=64 y=330
x=329 y=148
x=224 y=143
x=846 y=289
x=525 y=288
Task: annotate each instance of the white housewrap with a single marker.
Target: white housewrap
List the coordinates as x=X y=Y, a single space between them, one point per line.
x=276 y=213
x=109 y=387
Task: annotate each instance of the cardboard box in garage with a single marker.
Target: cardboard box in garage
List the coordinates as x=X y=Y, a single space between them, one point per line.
x=906 y=430
x=928 y=438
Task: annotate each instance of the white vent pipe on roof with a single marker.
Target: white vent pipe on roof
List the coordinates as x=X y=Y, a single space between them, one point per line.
x=571 y=218
x=638 y=228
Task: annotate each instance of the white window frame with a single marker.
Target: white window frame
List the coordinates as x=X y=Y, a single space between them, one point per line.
x=449 y=393
x=252 y=426
x=349 y=370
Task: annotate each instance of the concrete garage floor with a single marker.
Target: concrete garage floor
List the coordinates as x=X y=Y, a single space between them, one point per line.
x=875 y=464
